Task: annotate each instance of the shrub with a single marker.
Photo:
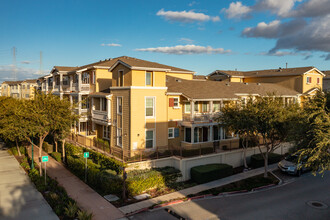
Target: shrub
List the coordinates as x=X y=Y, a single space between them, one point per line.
x=84 y=215
x=57 y=156
x=139 y=181
x=13 y=150
x=72 y=150
x=257 y=160
x=209 y=172
x=71 y=209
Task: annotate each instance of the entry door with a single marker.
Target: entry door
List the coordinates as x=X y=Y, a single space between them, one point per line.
x=205 y=134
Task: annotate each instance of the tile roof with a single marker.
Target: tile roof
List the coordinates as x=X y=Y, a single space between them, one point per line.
x=269 y=72
x=65 y=68
x=221 y=90
x=30 y=81
x=199 y=77
x=327 y=73
x=12 y=82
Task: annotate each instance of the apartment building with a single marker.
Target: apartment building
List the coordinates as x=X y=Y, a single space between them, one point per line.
x=0 y=89
x=19 y=89
x=141 y=105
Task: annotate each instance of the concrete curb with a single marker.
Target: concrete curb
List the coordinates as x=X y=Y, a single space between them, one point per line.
x=263 y=187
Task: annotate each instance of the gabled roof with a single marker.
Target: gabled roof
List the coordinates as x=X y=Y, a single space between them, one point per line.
x=327 y=74
x=134 y=63
x=266 y=73
x=30 y=81
x=195 y=89
x=12 y=82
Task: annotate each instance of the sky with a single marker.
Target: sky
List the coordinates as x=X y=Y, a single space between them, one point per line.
x=197 y=35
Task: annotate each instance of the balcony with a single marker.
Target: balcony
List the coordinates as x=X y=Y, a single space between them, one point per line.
x=201 y=117
x=84 y=87
x=101 y=116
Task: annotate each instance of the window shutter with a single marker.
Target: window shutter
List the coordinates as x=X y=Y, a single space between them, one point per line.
x=171 y=102
x=176 y=132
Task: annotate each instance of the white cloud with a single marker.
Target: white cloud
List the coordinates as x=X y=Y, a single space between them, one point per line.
x=186 y=16
x=274 y=29
x=192 y=3
x=186 y=49
x=237 y=10
x=25 y=62
x=6 y=73
x=111 y=45
x=186 y=40
x=311 y=8
x=278 y=7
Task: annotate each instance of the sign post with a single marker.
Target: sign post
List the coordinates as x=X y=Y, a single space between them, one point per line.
x=86 y=155
x=45 y=160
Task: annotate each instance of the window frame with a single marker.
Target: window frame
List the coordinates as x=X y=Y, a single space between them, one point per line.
x=153 y=139
x=318 y=80
x=176 y=100
x=151 y=78
x=185 y=107
x=309 y=81
x=153 y=106
x=106 y=132
x=119 y=137
x=173 y=136
x=85 y=78
x=119 y=112
x=120 y=78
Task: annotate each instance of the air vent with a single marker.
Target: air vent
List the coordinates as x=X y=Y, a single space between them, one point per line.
x=178 y=80
x=246 y=83
x=227 y=84
x=258 y=84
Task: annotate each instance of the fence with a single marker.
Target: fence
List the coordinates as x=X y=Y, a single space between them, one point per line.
x=186 y=150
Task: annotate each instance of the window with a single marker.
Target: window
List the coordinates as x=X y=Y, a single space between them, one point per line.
x=170 y=133
x=84 y=102
x=176 y=102
x=65 y=80
x=57 y=80
x=149 y=138
x=103 y=104
x=119 y=105
x=120 y=78
x=196 y=107
x=23 y=87
x=204 y=107
x=150 y=102
x=85 y=78
x=28 y=86
x=187 y=134
x=309 y=79
x=106 y=132
x=318 y=80
x=27 y=95
x=148 y=78
x=119 y=137
x=75 y=78
x=187 y=107
x=215 y=133
x=216 y=106
x=50 y=82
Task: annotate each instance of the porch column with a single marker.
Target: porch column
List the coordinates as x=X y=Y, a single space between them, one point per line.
x=46 y=85
x=211 y=106
x=79 y=127
x=71 y=100
x=61 y=95
x=79 y=81
x=108 y=109
x=70 y=81
x=53 y=77
x=221 y=104
x=192 y=110
x=221 y=133
x=192 y=134
x=211 y=133
x=61 y=82
x=79 y=104
x=93 y=108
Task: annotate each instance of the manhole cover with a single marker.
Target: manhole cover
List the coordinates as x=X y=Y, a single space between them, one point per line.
x=317 y=204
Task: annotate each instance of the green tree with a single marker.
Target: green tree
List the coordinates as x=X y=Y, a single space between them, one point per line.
x=238 y=118
x=312 y=133
x=10 y=120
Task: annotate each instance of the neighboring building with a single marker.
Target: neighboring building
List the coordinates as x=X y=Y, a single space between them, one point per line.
x=326 y=81
x=142 y=105
x=19 y=89
x=0 y=89
x=304 y=80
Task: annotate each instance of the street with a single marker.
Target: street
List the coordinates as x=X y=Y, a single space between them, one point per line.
x=288 y=201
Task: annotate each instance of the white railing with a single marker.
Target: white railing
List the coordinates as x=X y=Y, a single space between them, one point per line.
x=201 y=117
x=101 y=115
x=84 y=87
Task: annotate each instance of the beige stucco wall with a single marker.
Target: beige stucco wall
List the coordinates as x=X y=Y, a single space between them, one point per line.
x=187 y=76
x=102 y=79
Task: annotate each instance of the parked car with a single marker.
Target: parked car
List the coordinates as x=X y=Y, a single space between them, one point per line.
x=290 y=165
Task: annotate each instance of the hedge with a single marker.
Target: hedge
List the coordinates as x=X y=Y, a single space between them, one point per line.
x=13 y=151
x=138 y=181
x=209 y=172
x=72 y=150
x=257 y=160
x=57 y=156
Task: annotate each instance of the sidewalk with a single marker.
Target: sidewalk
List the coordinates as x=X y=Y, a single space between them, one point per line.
x=193 y=190
x=19 y=199
x=85 y=196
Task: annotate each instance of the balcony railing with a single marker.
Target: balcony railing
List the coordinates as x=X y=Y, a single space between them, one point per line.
x=201 y=117
x=101 y=116
x=85 y=87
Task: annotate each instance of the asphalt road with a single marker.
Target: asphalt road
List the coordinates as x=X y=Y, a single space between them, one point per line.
x=288 y=201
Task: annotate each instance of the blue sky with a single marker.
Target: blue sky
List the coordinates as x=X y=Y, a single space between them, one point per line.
x=197 y=35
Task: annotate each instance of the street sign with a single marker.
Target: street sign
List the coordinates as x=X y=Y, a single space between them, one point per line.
x=86 y=154
x=44 y=159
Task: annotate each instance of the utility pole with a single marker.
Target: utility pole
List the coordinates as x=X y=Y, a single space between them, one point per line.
x=14 y=64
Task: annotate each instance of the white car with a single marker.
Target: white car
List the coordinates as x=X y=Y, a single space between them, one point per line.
x=290 y=165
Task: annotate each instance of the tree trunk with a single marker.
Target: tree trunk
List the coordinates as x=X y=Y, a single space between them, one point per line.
x=55 y=142
x=244 y=153
x=266 y=164
x=63 y=150
x=19 y=152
